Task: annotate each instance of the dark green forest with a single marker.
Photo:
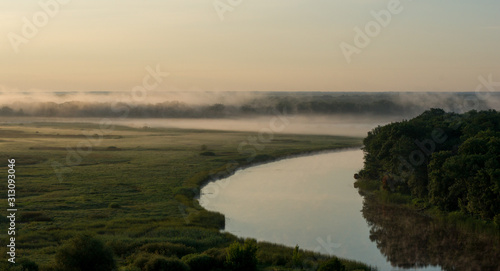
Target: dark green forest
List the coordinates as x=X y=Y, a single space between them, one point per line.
x=441 y=160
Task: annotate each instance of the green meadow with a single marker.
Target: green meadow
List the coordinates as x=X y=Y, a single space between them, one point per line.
x=133 y=190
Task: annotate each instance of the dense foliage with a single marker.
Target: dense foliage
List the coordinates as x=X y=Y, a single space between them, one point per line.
x=242 y=257
x=332 y=265
x=448 y=160
x=84 y=253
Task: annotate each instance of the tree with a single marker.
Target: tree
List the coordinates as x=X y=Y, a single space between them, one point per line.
x=85 y=253
x=242 y=257
x=449 y=160
x=6 y=111
x=297 y=257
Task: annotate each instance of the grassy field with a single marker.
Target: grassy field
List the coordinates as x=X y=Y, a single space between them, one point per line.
x=131 y=188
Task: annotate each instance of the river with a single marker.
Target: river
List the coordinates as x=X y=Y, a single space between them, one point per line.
x=308 y=201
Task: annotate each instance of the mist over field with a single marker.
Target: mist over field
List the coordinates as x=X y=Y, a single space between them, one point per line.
x=332 y=113
x=203 y=104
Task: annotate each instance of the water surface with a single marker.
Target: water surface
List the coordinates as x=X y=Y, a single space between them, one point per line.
x=309 y=201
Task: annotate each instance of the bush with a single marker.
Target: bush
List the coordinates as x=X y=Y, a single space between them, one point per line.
x=207 y=219
x=218 y=255
x=242 y=257
x=207 y=153
x=332 y=265
x=199 y=262
x=186 y=191
x=160 y=263
x=279 y=260
x=28 y=265
x=496 y=220
x=140 y=260
x=21 y=265
x=275 y=255
x=114 y=205
x=168 y=249
x=263 y=158
x=85 y=253
x=297 y=260
x=123 y=248
x=367 y=184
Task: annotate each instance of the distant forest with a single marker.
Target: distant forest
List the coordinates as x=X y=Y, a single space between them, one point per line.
x=449 y=160
x=373 y=104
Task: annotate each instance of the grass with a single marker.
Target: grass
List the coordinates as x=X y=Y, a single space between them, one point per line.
x=129 y=187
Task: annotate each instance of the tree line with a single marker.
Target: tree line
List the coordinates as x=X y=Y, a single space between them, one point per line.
x=447 y=160
x=366 y=104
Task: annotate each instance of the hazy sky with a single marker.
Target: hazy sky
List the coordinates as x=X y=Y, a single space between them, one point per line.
x=278 y=45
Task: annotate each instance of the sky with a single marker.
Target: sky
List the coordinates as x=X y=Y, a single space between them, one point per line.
x=248 y=45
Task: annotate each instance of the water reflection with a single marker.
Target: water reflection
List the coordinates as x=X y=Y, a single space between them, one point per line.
x=311 y=201
x=410 y=240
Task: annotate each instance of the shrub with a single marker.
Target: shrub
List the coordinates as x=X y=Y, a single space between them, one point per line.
x=275 y=255
x=218 y=255
x=279 y=260
x=207 y=219
x=114 y=205
x=85 y=253
x=496 y=220
x=332 y=265
x=140 y=260
x=160 y=263
x=207 y=153
x=367 y=184
x=168 y=249
x=186 y=191
x=297 y=257
x=123 y=248
x=263 y=158
x=199 y=262
x=242 y=257
x=21 y=265
x=28 y=265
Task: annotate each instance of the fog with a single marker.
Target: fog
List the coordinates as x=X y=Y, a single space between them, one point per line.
x=13 y=96
x=320 y=125
x=279 y=124
x=329 y=113
x=202 y=104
